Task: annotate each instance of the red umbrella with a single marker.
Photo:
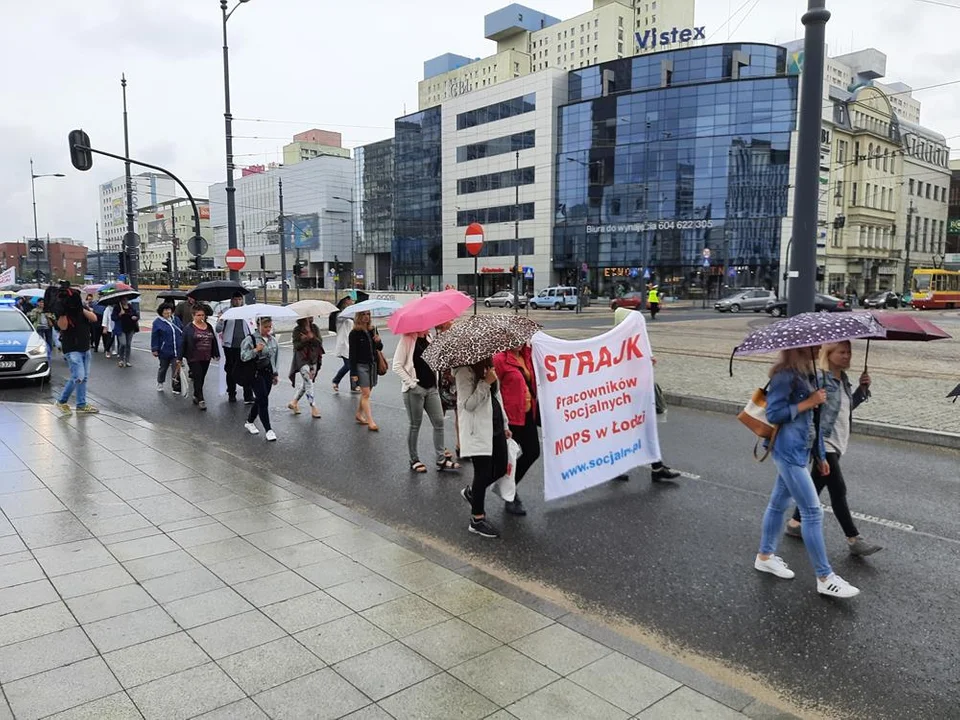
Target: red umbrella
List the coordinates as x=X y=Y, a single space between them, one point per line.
x=904 y=326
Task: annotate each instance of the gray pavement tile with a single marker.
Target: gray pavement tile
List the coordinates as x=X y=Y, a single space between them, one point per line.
x=334 y=571
x=386 y=670
x=11 y=544
x=438 y=698
x=19 y=573
x=29 y=502
x=109 y=603
x=107 y=468
x=506 y=620
x=251 y=520
x=266 y=666
x=224 y=504
x=26 y=624
x=278 y=538
x=306 y=553
x=326 y=527
x=18 y=480
x=180 y=585
x=385 y=557
x=118 y=706
x=560 y=649
x=504 y=675
x=154 y=566
x=322 y=695
x=60 y=689
x=186 y=694
x=207 y=607
x=370 y=712
x=275 y=588
x=687 y=703
x=197 y=489
x=190 y=522
x=305 y=611
x=27 y=595
x=91 y=581
x=143 y=547
x=234 y=634
x=244 y=709
x=44 y=653
x=137 y=454
x=129 y=521
x=155 y=659
x=5 y=527
x=405 y=615
x=132 y=487
x=165 y=508
x=352 y=542
x=103 y=504
x=201 y=535
x=366 y=592
x=451 y=643
x=624 y=682
x=73 y=557
x=121 y=536
x=563 y=700
x=130 y=629
x=501 y=715
x=459 y=596
x=222 y=550
x=15 y=557
x=54 y=528
x=301 y=512
x=245 y=568
x=343 y=638
x=72 y=487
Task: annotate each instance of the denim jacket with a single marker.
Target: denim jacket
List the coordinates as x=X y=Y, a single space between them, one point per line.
x=797 y=436
x=831 y=408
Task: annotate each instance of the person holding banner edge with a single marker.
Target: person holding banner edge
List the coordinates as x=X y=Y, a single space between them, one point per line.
x=518 y=385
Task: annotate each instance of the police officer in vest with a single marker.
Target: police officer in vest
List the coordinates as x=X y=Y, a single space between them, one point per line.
x=653 y=301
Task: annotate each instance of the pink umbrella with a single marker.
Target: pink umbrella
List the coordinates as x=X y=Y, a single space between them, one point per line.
x=428 y=312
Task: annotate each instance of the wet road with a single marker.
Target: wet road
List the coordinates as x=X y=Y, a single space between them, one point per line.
x=673 y=559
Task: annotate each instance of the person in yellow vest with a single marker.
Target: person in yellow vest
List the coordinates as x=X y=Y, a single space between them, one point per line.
x=653 y=301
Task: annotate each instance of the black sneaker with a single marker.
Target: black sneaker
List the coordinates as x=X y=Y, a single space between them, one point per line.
x=232 y=398
x=467 y=494
x=248 y=401
x=515 y=507
x=663 y=473
x=482 y=528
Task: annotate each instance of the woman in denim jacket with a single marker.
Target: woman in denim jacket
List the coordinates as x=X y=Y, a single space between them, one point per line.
x=790 y=404
x=835 y=422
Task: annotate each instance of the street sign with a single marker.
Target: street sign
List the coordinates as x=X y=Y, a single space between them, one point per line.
x=646 y=273
x=706 y=262
x=528 y=273
x=331 y=272
x=732 y=272
x=359 y=274
x=235 y=259
x=473 y=238
x=197 y=245
x=131 y=241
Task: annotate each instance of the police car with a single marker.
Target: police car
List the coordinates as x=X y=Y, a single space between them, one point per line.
x=23 y=353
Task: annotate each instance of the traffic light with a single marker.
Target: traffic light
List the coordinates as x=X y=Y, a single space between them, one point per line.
x=195 y=263
x=168 y=264
x=122 y=262
x=82 y=159
x=819 y=273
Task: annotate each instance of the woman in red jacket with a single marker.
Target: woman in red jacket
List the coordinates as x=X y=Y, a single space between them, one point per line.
x=518 y=387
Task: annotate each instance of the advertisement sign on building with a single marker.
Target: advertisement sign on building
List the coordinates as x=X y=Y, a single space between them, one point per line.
x=303 y=230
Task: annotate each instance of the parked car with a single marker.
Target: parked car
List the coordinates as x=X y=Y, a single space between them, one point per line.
x=23 y=353
x=251 y=284
x=555 y=298
x=822 y=303
x=504 y=298
x=275 y=284
x=632 y=300
x=882 y=299
x=753 y=299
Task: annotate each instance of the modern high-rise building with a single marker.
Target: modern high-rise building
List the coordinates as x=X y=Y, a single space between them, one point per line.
x=148 y=189
x=373 y=212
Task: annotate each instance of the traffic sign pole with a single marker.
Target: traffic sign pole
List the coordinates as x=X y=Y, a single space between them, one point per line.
x=473 y=239
x=235 y=259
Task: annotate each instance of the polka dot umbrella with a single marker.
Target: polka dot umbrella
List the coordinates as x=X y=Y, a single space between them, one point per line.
x=808 y=330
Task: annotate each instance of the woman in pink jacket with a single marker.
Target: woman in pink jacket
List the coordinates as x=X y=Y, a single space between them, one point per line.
x=518 y=387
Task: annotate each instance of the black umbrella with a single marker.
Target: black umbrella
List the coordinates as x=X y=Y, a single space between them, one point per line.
x=172 y=295
x=115 y=297
x=216 y=290
x=955 y=393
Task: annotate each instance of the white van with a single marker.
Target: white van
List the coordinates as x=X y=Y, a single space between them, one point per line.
x=556 y=298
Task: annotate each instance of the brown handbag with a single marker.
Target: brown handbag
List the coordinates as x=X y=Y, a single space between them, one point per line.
x=754 y=416
x=382 y=366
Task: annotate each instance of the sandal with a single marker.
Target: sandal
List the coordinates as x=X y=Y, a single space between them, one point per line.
x=360 y=420
x=448 y=455
x=418 y=467
x=372 y=427
x=294 y=407
x=447 y=465
x=315 y=413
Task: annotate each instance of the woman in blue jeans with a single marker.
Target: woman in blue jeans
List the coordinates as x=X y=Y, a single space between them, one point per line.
x=791 y=401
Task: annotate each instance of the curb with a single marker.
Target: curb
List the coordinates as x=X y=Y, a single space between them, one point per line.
x=860 y=427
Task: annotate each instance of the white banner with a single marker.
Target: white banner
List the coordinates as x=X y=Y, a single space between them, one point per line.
x=598 y=406
x=8 y=276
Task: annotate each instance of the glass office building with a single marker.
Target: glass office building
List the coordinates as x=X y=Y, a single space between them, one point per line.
x=416 y=251
x=375 y=185
x=674 y=167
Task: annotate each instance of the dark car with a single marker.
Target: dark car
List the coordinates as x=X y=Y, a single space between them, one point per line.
x=822 y=303
x=882 y=299
x=632 y=300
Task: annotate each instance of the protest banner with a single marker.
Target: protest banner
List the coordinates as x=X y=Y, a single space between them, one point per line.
x=8 y=276
x=597 y=406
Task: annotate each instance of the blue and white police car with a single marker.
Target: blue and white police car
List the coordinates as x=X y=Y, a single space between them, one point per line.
x=23 y=353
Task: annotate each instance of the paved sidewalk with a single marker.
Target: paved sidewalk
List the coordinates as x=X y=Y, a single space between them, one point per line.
x=145 y=575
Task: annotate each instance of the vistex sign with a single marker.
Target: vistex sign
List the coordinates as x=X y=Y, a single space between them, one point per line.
x=652 y=39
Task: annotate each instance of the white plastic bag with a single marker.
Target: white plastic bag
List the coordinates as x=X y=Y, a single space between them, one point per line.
x=186 y=387
x=506 y=487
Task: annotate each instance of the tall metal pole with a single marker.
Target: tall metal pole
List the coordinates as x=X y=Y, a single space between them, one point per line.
x=175 y=244
x=516 y=242
x=906 y=267
x=803 y=268
x=228 y=126
x=283 y=248
x=130 y=241
x=99 y=256
x=36 y=232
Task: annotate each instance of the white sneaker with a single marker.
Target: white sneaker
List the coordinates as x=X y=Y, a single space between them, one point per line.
x=251 y=428
x=836 y=586
x=271 y=436
x=775 y=566
x=159 y=387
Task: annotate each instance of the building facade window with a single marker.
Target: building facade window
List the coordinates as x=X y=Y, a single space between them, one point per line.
x=495 y=181
x=499 y=248
x=497 y=146
x=497 y=111
x=498 y=214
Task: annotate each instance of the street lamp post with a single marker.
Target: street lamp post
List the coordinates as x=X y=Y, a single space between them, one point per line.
x=228 y=125
x=36 y=232
x=353 y=236
x=578 y=268
x=131 y=243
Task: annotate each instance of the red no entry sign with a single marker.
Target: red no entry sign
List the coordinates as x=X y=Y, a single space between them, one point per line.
x=235 y=259
x=473 y=238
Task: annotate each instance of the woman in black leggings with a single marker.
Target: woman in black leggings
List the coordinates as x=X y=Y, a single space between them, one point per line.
x=518 y=388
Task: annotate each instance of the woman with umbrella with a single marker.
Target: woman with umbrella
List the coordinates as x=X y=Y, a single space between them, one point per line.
x=166 y=341
x=261 y=349
x=343 y=326
x=199 y=347
x=307 y=358
x=365 y=344
x=126 y=323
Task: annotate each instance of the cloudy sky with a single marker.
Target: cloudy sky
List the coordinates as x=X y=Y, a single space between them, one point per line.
x=296 y=64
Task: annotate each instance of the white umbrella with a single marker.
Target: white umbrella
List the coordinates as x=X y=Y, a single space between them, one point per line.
x=258 y=310
x=376 y=308
x=313 y=308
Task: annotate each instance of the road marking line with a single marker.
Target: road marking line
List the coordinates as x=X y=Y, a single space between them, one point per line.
x=689 y=476
x=876 y=520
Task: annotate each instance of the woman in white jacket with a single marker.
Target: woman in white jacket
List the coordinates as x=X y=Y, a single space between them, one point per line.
x=344 y=327
x=483 y=437
x=420 y=393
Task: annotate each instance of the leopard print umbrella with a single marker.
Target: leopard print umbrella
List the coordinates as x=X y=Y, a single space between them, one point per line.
x=478 y=337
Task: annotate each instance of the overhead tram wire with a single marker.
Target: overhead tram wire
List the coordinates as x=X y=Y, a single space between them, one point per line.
x=728 y=20
x=743 y=19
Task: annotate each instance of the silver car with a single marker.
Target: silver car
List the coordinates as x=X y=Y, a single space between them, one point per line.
x=752 y=299
x=23 y=353
x=504 y=298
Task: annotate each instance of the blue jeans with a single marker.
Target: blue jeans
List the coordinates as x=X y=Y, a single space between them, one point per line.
x=344 y=370
x=794 y=481
x=79 y=363
x=124 y=346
